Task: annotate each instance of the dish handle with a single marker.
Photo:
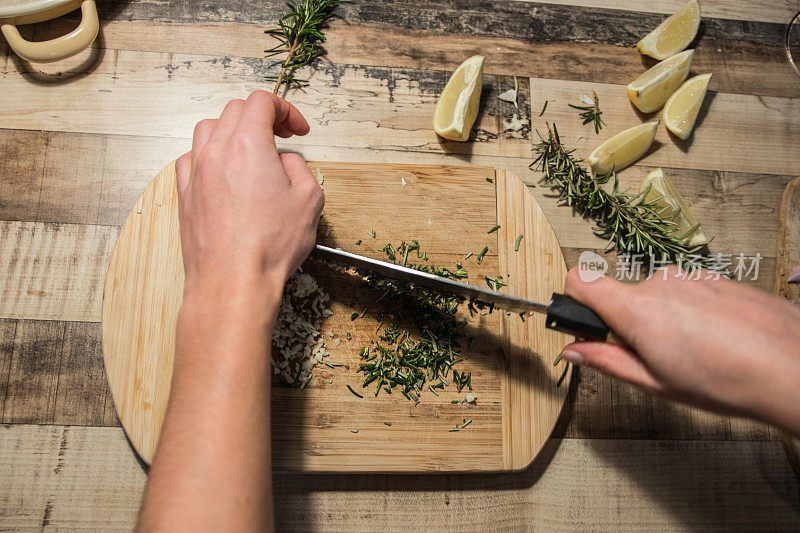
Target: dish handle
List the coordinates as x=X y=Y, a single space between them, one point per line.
x=59 y=48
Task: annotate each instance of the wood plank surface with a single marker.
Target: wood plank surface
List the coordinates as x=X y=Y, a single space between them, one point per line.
x=78 y=477
x=756 y=10
x=75 y=154
x=381 y=108
x=734 y=133
x=383 y=45
x=68 y=284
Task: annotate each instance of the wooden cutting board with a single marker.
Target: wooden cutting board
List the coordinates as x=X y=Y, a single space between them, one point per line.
x=788 y=260
x=448 y=209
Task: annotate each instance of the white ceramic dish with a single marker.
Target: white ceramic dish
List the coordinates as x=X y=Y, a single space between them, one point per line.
x=17 y=12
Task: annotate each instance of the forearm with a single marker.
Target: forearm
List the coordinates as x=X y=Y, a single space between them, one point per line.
x=219 y=407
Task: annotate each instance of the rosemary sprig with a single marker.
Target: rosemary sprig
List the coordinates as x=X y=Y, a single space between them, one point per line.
x=591 y=113
x=631 y=224
x=300 y=38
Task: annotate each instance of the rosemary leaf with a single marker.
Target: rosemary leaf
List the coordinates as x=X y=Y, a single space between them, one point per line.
x=544 y=107
x=354 y=392
x=563 y=375
x=481 y=254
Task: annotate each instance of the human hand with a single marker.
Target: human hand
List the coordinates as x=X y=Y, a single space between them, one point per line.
x=248 y=215
x=713 y=343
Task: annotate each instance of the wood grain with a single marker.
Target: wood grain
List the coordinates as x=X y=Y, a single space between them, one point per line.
x=33 y=372
x=740 y=67
x=788 y=260
x=535 y=271
x=87 y=478
x=21 y=168
x=788 y=242
x=82 y=393
x=52 y=373
x=740 y=209
x=406 y=14
x=380 y=108
x=53 y=271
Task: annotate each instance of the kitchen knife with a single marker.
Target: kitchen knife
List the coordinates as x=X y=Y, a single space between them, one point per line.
x=563 y=313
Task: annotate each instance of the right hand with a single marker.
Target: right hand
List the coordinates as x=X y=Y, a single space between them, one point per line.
x=713 y=343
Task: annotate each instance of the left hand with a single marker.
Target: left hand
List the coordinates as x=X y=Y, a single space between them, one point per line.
x=248 y=215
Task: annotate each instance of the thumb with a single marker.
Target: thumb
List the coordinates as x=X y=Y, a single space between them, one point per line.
x=612 y=300
x=616 y=361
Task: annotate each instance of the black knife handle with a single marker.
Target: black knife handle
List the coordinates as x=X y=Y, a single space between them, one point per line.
x=567 y=315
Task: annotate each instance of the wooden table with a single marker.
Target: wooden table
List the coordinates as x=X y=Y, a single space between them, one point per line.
x=81 y=139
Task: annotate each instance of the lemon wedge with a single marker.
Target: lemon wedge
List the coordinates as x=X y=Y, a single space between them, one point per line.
x=680 y=111
x=674 y=34
x=664 y=194
x=649 y=91
x=457 y=107
x=623 y=149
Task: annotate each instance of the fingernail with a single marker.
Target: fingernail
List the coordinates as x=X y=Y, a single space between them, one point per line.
x=573 y=356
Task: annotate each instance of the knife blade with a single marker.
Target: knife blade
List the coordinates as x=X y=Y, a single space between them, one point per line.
x=563 y=313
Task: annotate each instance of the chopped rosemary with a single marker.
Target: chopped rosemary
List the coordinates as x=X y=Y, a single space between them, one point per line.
x=495 y=283
x=630 y=223
x=466 y=423
x=591 y=112
x=300 y=38
x=354 y=430
x=453 y=401
x=354 y=392
x=348 y=336
x=482 y=253
x=454 y=428
x=558 y=359
x=563 y=375
x=464 y=379
x=517 y=243
x=468 y=256
x=358 y=242
x=424 y=360
x=494 y=228
x=543 y=108
x=490 y=180
x=371 y=233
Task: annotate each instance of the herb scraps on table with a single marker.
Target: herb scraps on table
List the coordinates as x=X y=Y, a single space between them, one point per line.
x=591 y=111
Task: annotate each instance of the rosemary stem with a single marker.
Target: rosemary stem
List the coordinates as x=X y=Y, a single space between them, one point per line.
x=288 y=60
